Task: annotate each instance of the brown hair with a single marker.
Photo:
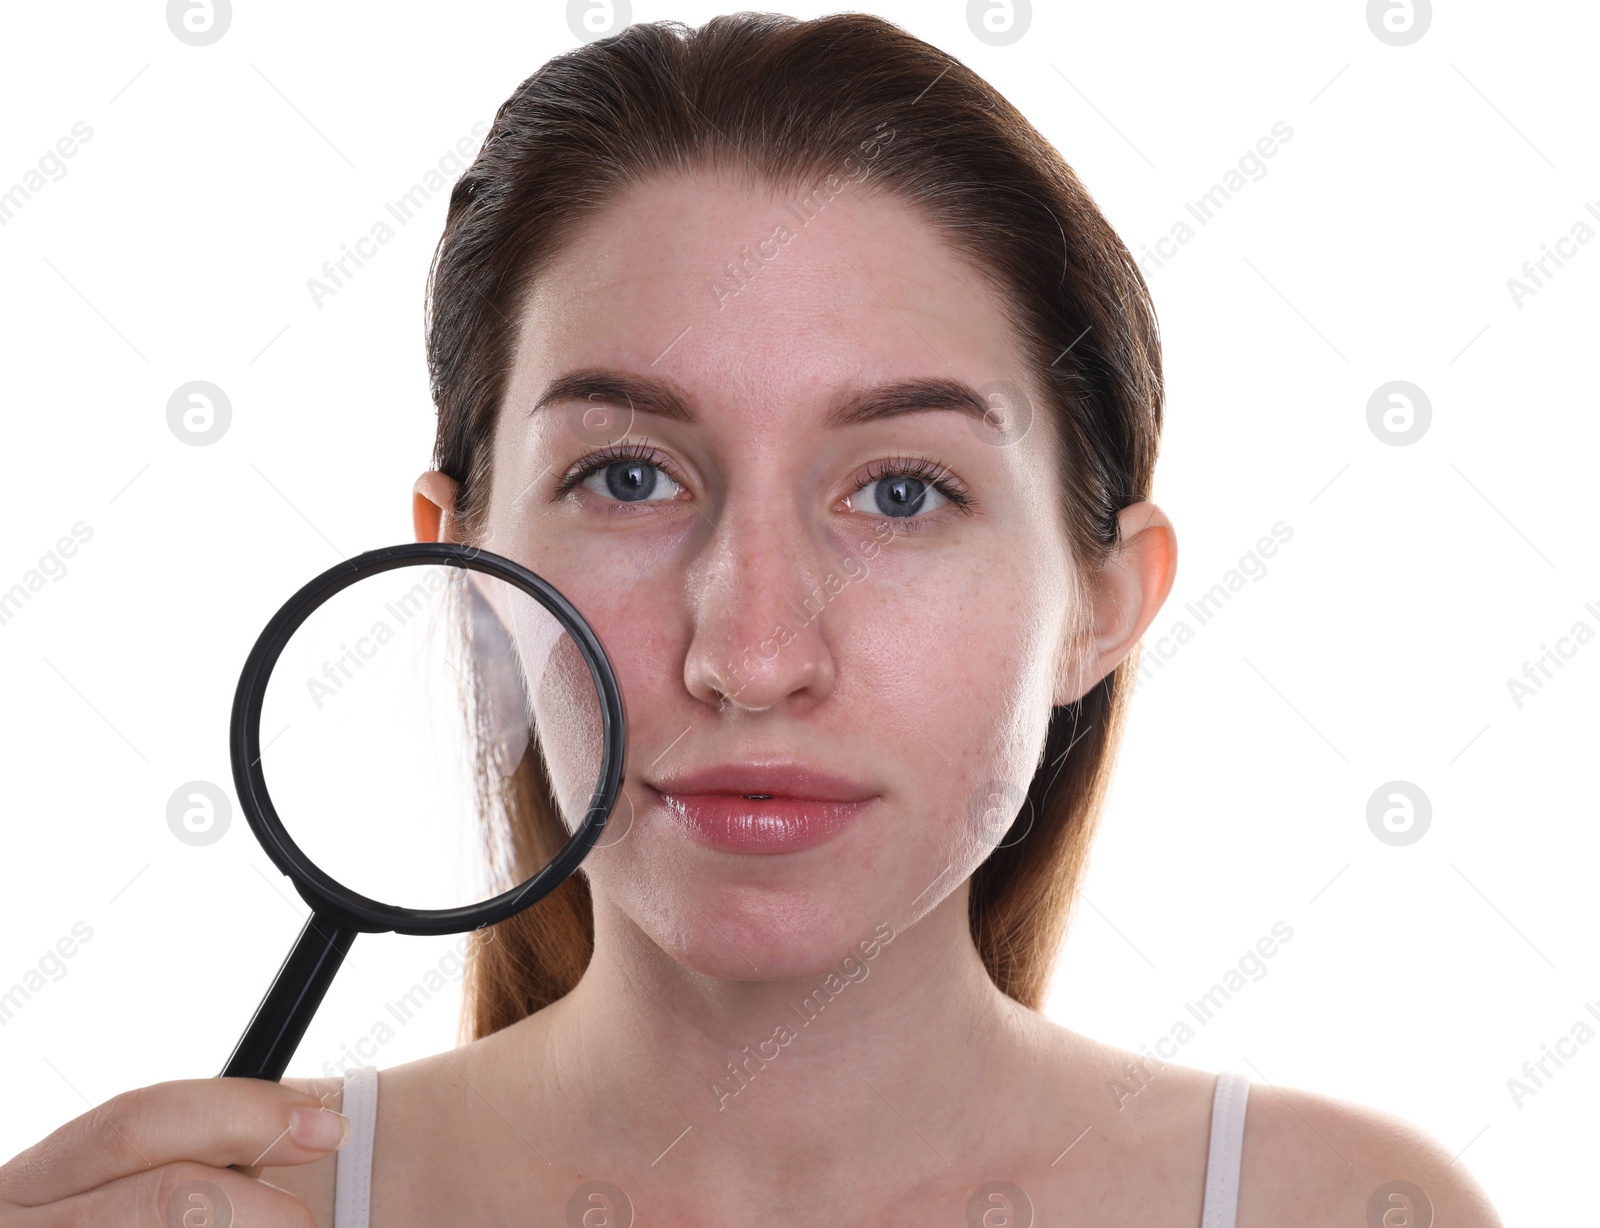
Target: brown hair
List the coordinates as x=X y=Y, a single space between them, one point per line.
x=792 y=102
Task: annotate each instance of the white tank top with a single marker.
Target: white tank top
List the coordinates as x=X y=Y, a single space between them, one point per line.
x=353 y=1161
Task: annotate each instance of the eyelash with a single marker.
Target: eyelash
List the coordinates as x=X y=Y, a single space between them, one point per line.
x=933 y=472
x=614 y=454
x=924 y=469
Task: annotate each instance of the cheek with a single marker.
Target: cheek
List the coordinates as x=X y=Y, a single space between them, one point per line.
x=628 y=607
x=632 y=627
x=946 y=677
x=567 y=722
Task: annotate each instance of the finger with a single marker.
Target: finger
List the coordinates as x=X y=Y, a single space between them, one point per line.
x=217 y=1122
x=181 y=1193
x=329 y=1093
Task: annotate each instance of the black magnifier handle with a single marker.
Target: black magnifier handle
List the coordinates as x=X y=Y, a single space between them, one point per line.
x=263 y=1052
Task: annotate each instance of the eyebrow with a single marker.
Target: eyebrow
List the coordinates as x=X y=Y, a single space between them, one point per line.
x=647 y=394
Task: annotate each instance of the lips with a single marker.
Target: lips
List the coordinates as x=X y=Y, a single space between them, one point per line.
x=785 y=779
x=778 y=807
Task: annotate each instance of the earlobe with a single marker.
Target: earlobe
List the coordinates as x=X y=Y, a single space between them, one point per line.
x=1129 y=592
x=433 y=501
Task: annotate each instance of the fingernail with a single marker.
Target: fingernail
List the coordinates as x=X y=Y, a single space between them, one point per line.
x=319 y=1129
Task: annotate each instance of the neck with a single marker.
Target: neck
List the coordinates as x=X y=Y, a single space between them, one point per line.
x=769 y=1086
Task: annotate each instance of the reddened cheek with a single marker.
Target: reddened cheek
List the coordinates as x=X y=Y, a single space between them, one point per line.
x=567 y=713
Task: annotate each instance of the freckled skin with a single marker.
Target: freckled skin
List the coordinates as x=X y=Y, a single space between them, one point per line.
x=924 y=678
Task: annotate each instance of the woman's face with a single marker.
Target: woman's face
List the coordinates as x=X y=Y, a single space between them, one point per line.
x=766 y=583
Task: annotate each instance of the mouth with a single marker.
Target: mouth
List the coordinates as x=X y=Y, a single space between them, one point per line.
x=762 y=809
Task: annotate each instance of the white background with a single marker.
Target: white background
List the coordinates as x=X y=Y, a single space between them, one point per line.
x=1376 y=647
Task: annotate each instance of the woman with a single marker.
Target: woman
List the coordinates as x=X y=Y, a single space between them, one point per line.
x=807 y=369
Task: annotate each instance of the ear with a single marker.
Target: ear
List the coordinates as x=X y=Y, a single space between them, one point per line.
x=433 y=501
x=1128 y=593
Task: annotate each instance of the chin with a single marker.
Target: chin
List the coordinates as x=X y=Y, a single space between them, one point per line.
x=744 y=932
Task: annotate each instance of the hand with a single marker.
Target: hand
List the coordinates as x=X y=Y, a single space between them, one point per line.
x=161 y=1155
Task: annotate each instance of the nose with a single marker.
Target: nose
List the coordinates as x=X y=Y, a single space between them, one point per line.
x=758 y=597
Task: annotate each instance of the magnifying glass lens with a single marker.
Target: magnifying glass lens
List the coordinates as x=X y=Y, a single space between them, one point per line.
x=431 y=736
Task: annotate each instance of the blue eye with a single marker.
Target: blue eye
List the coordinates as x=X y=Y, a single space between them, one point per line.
x=904 y=496
x=909 y=488
x=629 y=473
x=632 y=481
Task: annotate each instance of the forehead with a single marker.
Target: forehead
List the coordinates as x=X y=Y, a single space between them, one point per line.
x=761 y=297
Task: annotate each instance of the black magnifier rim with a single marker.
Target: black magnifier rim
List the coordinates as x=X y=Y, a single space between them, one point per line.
x=325 y=894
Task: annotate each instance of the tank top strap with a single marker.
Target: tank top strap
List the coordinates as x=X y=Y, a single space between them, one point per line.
x=352 y=1187
x=1228 y=1103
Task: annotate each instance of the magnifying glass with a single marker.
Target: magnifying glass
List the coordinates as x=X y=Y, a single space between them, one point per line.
x=444 y=740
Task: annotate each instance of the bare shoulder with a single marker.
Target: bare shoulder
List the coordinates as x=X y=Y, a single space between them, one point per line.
x=1157 y=1105
x=1130 y=1133
x=1318 y=1160
x=1307 y=1159
x=312 y=1183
